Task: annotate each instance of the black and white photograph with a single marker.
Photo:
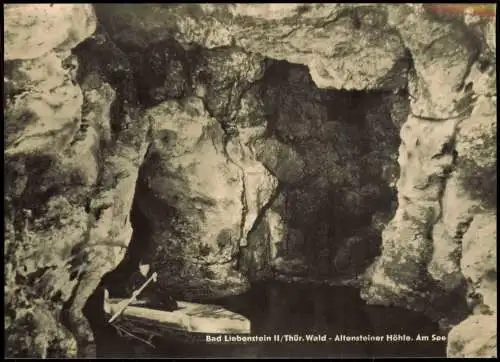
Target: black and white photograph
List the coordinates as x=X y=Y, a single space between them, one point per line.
x=250 y=180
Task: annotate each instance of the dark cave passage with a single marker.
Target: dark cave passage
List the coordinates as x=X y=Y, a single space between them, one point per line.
x=120 y=282
x=346 y=142
x=116 y=281
x=289 y=164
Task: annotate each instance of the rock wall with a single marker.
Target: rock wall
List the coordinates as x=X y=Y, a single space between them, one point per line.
x=447 y=183
x=260 y=141
x=268 y=124
x=73 y=146
x=188 y=171
x=357 y=36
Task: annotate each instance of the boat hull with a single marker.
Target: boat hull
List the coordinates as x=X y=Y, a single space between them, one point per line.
x=191 y=321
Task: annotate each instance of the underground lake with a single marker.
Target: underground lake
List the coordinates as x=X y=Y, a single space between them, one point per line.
x=294 y=311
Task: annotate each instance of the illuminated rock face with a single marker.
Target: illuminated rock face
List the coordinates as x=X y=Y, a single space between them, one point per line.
x=334 y=40
x=447 y=185
x=31 y=31
x=72 y=162
x=214 y=201
x=243 y=132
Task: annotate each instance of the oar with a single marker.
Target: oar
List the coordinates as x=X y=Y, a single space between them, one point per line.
x=135 y=294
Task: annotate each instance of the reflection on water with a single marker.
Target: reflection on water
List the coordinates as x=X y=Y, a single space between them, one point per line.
x=289 y=309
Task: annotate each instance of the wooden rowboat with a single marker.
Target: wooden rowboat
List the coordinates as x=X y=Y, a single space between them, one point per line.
x=191 y=321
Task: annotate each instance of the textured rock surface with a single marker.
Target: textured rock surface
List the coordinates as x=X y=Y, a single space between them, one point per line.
x=447 y=184
x=358 y=37
x=207 y=140
x=441 y=210
x=71 y=168
x=273 y=152
x=322 y=147
x=31 y=31
x=214 y=200
x=478 y=259
x=442 y=51
x=476 y=336
x=43 y=113
x=407 y=245
x=273 y=117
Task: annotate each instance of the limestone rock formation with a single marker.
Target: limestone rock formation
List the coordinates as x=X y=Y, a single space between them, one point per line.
x=211 y=131
x=43 y=113
x=242 y=91
x=33 y=31
x=282 y=159
x=328 y=198
x=436 y=44
x=70 y=178
x=358 y=37
x=447 y=183
x=476 y=336
x=187 y=171
x=257 y=141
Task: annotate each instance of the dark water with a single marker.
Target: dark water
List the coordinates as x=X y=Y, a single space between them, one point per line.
x=290 y=309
